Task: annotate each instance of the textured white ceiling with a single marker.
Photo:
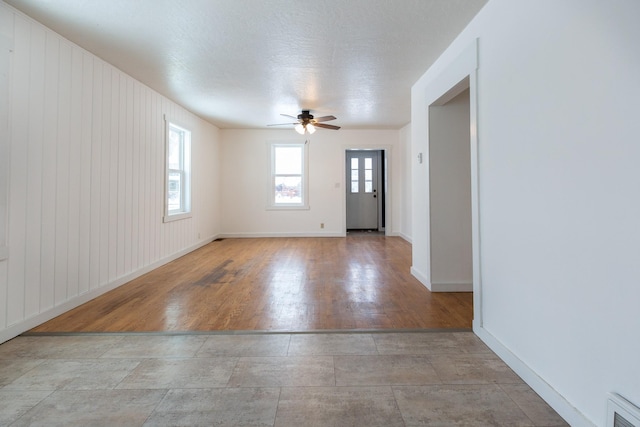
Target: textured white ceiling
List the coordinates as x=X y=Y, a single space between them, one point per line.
x=241 y=63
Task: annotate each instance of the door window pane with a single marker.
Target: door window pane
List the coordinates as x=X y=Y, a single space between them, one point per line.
x=368 y=175
x=355 y=175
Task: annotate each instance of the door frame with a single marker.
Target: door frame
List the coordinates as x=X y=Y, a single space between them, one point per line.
x=383 y=178
x=458 y=75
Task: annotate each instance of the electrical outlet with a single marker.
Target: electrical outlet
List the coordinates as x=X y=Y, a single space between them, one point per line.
x=322 y=225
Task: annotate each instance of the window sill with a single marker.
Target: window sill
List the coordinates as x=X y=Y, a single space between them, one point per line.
x=288 y=208
x=176 y=217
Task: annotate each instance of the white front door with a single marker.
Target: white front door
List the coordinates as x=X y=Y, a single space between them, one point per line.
x=362 y=190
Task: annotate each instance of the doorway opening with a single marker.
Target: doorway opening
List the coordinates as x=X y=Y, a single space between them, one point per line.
x=365 y=190
x=450 y=192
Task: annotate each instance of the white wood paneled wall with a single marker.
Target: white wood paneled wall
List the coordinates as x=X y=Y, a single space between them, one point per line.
x=86 y=178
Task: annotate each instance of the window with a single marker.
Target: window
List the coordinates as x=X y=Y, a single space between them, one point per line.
x=288 y=180
x=178 y=176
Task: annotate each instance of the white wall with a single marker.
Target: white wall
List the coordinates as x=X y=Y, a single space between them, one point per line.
x=450 y=195
x=86 y=173
x=558 y=150
x=404 y=208
x=245 y=182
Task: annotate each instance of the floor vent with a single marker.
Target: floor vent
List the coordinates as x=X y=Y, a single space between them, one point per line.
x=622 y=413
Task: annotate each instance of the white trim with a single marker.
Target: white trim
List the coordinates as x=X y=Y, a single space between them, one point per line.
x=16 y=329
x=421 y=276
x=445 y=86
x=242 y=235
x=271 y=204
x=452 y=287
x=550 y=395
x=388 y=156
x=187 y=201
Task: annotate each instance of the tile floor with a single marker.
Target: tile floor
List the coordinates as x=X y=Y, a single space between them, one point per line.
x=310 y=379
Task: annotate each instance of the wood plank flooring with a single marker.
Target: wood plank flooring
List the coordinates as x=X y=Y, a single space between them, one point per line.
x=275 y=284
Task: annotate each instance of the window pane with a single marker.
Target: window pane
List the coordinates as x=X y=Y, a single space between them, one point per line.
x=288 y=160
x=354 y=175
x=173 y=191
x=368 y=187
x=288 y=189
x=175 y=148
x=354 y=163
x=368 y=175
x=354 y=186
x=368 y=163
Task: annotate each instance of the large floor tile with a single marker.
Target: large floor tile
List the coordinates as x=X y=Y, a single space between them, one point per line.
x=459 y=405
x=76 y=374
x=384 y=370
x=157 y=346
x=94 y=408
x=213 y=407
x=429 y=343
x=338 y=406
x=58 y=347
x=331 y=344
x=531 y=404
x=473 y=369
x=180 y=373
x=11 y=369
x=245 y=345
x=283 y=371
x=14 y=404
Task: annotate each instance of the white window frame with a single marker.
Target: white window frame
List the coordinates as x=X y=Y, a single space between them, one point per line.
x=184 y=171
x=271 y=202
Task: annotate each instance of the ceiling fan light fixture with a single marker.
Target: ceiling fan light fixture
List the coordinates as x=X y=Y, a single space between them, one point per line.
x=299 y=128
x=310 y=128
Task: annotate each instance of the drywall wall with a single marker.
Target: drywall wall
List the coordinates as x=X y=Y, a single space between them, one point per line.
x=450 y=195
x=86 y=172
x=404 y=208
x=245 y=178
x=557 y=96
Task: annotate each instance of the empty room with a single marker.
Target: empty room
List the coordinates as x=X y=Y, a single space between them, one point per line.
x=280 y=213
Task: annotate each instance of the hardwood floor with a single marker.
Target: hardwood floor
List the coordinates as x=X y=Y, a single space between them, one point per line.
x=277 y=284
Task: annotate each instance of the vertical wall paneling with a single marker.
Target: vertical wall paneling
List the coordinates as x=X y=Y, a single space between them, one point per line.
x=143 y=230
x=105 y=178
x=96 y=175
x=62 y=173
x=130 y=248
x=119 y=164
x=49 y=169
x=114 y=226
x=6 y=48
x=84 y=223
x=75 y=141
x=85 y=181
x=34 y=170
x=19 y=117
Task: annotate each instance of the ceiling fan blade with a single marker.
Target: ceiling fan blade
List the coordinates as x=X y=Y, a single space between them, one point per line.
x=283 y=124
x=322 y=125
x=324 y=118
x=291 y=117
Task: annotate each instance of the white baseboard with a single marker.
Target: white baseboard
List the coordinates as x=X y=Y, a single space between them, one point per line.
x=452 y=287
x=276 y=234
x=422 y=278
x=567 y=411
x=30 y=323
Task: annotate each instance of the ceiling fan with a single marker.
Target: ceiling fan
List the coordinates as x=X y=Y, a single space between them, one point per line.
x=307 y=123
